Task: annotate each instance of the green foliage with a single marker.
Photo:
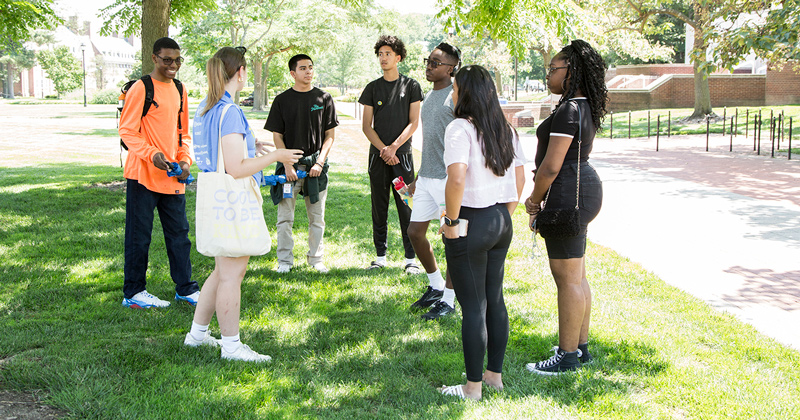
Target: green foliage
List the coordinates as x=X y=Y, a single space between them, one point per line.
x=62 y=68
x=771 y=33
x=334 y=92
x=19 y=18
x=136 y=70
x=125 y=16
x=516 y=22
x=106 y=96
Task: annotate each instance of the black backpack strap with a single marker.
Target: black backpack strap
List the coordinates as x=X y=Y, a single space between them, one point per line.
x=179 y=86
x=148 y=94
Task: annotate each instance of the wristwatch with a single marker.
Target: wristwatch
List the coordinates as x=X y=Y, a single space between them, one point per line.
x=450 y=222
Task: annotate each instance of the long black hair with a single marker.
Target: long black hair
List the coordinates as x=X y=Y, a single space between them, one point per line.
x=586 y=71
x=478 y=103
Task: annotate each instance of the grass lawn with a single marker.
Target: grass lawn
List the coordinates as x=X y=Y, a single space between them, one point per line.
x=345 y=345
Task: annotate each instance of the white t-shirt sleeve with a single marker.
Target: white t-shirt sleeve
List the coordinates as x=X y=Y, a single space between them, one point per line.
x=457 y=142
x=519 y=154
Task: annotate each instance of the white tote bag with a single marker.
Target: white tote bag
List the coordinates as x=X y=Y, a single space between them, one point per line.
x=229 y=220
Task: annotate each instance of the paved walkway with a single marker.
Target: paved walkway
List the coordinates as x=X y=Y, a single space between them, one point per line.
x=722 y=226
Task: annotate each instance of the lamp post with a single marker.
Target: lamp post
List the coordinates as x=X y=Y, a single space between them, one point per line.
x=83 y=61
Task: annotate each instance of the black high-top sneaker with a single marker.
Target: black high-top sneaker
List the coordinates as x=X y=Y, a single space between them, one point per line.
x=585 y=357
x=561 y=362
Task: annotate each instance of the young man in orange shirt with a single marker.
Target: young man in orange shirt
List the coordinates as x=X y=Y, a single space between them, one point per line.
x=154 y=141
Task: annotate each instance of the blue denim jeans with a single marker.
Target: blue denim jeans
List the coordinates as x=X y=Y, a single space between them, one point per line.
x=139 y=206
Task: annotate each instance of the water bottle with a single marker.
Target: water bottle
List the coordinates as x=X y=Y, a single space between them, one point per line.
x=402 y=189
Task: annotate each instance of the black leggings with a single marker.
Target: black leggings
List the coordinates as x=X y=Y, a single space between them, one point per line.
x=476 y=264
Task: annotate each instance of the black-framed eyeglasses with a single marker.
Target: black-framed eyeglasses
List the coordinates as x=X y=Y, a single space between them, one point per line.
x=552 y=69
x=241 y=50
x=168 y=61
x=434 y=64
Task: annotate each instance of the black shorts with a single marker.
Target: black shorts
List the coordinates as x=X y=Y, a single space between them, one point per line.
x=562 y=195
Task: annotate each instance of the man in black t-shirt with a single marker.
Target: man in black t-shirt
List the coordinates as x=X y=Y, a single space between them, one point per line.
x=302 y=117
x=391 y=115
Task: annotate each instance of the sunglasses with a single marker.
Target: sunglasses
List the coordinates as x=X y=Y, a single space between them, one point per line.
x=241 y=50
x=434 y=64
x=169 y=61
x=552 y=69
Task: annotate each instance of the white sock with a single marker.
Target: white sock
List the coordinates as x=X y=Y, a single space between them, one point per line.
x=410 y=261
x=231 y=344
x=435 y=279
x=449 y=297
x=198 y=331
x=381 y=259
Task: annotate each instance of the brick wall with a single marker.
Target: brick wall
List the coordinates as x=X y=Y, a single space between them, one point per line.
x=777 y=87
x=782 y=86
x=678 y=92
x=655 y=69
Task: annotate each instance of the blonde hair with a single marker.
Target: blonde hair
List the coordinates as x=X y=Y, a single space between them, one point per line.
x=219 y=70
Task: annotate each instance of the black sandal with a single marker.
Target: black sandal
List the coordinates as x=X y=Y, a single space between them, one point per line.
x=375 y=265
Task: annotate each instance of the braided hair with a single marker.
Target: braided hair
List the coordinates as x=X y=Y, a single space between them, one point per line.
x=586 y=70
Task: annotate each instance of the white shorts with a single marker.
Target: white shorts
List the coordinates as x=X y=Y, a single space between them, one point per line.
x=428 y=199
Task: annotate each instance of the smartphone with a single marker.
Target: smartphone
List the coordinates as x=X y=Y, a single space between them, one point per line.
x=462 y=226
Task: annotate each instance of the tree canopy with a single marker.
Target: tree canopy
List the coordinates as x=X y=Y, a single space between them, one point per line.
x=19 y=18
x=62 y=68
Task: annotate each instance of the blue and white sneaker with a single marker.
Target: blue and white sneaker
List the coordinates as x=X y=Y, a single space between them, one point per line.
x=191 y=298
x=143 y=300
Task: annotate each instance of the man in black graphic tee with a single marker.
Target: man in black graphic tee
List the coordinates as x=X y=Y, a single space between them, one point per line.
x=302 y=117
x=391 y=115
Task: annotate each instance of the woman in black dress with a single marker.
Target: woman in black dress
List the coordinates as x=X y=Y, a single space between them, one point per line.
x=577 y=72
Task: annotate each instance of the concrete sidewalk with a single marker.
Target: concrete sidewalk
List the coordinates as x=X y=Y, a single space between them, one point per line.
x=722 y=226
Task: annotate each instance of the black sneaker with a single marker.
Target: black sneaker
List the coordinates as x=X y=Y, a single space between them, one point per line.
x=438 y=310
x=584 y=355
x=428 y=298
x=560 y=362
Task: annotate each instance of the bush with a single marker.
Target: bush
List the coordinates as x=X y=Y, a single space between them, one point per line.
x=51 y=97
x=335 y=92
x=350 y=97
x=106 y=96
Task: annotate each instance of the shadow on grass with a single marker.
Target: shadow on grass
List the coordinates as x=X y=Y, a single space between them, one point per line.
x=344 y=344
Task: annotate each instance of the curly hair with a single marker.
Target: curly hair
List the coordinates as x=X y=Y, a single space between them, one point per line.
x=586 y=71
x=392 y=42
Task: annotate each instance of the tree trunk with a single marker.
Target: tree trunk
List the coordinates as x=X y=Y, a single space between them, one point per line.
x=702 y=94
x=547 y=55
x=8 y=88
x=498 y=81
x=261 y=99
x=155 y=25
x=258 y=94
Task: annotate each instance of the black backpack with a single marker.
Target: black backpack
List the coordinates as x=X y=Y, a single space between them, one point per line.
x=148 y=101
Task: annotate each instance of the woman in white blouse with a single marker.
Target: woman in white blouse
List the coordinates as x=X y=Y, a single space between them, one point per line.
x=485 y=176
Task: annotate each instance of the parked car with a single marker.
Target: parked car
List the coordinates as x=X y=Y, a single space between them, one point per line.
x=248 y=101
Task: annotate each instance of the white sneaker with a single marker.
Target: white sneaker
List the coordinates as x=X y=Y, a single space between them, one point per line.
x=320 y=267
x=246 y=354
x=283 y=268
x=191 y=298
x=208 y=340
x=144 y=300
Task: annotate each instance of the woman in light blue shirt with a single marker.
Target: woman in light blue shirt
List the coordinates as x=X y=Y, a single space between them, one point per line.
x=221 y=292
